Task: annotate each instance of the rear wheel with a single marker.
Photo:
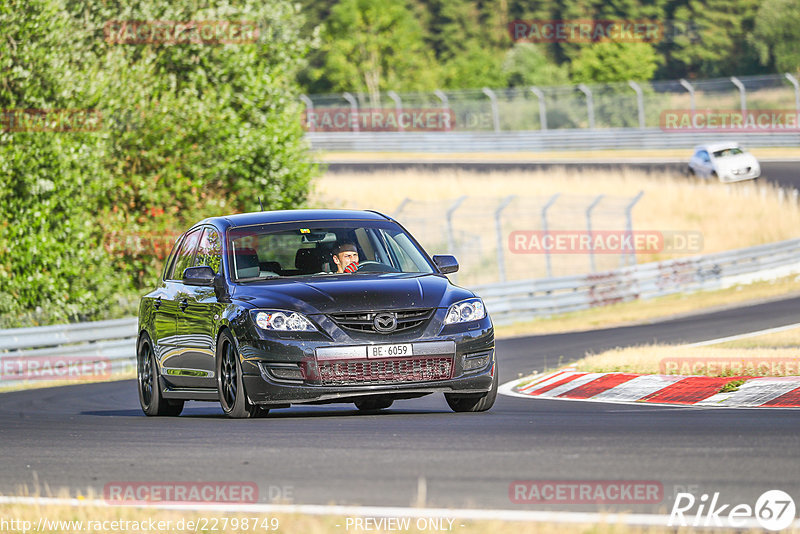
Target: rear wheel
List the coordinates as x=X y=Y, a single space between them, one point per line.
x=473 y=403
x=232 y=396
x=372 y=405
x=150 y=398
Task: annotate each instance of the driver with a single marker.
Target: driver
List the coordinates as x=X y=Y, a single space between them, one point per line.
x=345 y=256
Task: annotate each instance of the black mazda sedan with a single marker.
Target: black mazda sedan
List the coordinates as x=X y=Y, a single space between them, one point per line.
x=265 y=310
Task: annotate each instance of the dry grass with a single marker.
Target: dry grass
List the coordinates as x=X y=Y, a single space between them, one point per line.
x=788 y=339
x=655 y=309
x=729 y=216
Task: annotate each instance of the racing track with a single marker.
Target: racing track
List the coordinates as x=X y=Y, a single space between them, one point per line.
x=89 y=435
x=783 y=173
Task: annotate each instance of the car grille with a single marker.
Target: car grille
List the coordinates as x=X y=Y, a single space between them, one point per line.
x=386 y=371
x=362 y=321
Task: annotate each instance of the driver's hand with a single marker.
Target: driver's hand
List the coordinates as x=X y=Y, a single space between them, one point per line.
x=351 y=268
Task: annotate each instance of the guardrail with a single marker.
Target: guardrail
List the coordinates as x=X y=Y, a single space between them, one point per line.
x=80 y=350
x=516 y=301
x=113 y=342
x=537 y=141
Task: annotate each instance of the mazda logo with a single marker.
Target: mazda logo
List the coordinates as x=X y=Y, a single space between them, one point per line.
x=385 y=322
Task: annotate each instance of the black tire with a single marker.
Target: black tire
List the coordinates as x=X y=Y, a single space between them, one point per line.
x=373 y=405
x=232 y=396
x=473 y=403
x=690 y=171
x=149 y=390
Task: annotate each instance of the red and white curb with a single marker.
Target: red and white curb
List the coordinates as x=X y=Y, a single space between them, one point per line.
x=569 y=384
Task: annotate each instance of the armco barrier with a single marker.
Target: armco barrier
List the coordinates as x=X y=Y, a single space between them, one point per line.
x=521 y=300
x=115 y=341
x=537 y=141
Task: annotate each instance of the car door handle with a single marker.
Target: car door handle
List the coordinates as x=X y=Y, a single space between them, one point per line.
x=157 y=303
x=184 y=304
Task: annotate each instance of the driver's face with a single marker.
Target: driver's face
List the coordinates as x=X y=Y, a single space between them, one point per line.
x=345 y=258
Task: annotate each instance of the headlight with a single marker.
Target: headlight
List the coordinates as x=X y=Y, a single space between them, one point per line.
x=465 y=311
x=283 y=321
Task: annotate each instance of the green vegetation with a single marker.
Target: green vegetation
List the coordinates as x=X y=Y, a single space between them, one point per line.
x=188 y=130
x=411 y=45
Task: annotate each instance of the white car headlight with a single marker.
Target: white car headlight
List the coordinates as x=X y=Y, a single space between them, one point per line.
x=283 y=321
x=465 y=311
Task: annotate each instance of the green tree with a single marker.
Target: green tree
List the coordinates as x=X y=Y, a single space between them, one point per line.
x=609 y=62
x=526 y=64
x=776 y=35
x=375 y=45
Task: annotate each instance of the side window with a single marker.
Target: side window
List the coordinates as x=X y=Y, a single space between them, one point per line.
x=170 y=259
x=185 y=255
x=210 y=250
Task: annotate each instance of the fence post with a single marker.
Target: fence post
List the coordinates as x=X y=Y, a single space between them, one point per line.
x=589 y=103
x=498 y=225
x=742 y=94
x=353 y=110
x=309 y=109
x=639 y=101
x=793 y=81
x=629 y=225
x=445 y=106
x=495 y=112
x=398 y=105
x=451 y=240
x=591 y=207
x=542 y=107
x=545 y=231
x=686 y=85
x=401 y=206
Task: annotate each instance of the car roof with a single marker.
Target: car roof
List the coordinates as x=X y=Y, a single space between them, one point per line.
x=713 y=147
x=281 y=216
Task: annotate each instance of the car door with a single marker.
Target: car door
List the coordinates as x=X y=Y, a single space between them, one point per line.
x=705 y=166
x=198 y=307
x=165 y=308
x=171 y=349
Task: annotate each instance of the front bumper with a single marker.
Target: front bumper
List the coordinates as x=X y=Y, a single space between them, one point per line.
x=458 y=360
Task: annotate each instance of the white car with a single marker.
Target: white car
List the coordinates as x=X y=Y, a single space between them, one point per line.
x=726 y=161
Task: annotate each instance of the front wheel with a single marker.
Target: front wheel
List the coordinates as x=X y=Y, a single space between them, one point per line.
x=150 y=398
x=232 y=396
x=473 y=403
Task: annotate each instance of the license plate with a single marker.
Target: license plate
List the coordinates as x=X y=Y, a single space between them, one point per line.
x=389 y=351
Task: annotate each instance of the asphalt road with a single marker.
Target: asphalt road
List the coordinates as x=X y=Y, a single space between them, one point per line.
x=784 y=173
x=91 y=435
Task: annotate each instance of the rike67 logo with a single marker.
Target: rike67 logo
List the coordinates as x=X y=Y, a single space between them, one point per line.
x=774 y=510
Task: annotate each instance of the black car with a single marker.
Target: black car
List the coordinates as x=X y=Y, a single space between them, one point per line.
x=252 y=311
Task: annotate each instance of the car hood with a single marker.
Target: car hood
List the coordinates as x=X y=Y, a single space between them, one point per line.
x=736 y=162
x=360 y=292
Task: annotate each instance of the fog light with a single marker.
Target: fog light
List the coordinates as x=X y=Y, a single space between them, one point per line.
x=471 y=364
x=286 y=373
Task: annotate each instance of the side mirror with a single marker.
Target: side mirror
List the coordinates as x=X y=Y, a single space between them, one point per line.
x=199 y=276
x=447 y=264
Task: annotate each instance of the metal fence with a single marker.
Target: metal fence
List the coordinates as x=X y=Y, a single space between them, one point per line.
x=617 y=105
x=479 y=232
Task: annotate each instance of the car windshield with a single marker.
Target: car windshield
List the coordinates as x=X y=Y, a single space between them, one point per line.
x=733 y=151
x=308 y=249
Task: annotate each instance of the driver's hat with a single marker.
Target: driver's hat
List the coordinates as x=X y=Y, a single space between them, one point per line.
x=344 y=247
